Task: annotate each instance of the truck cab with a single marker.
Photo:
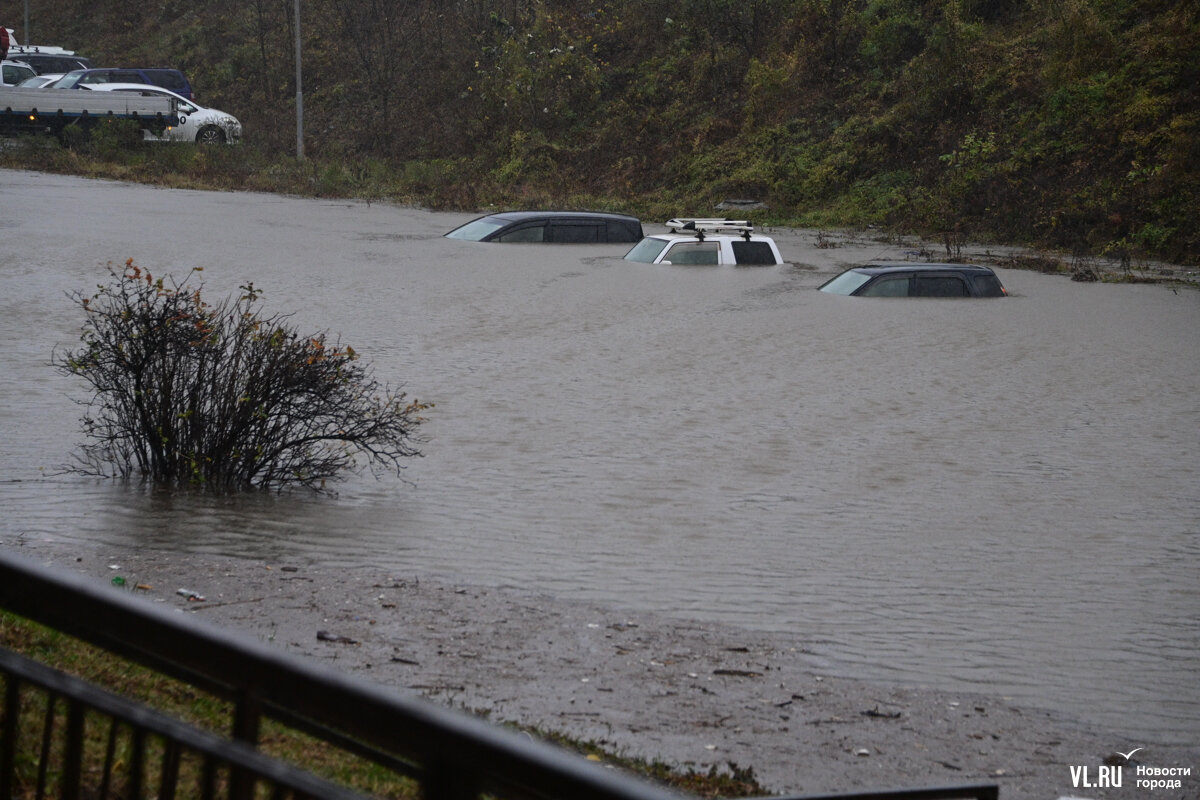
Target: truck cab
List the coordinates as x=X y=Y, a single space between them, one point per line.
x=13 y=72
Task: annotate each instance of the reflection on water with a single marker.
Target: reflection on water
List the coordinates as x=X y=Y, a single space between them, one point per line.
x=996 y=495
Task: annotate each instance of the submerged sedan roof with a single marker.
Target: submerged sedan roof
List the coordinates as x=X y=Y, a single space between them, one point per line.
x=916 y=279
x=883 y=267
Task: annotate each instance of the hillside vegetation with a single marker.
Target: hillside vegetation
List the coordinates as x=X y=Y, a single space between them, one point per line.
x=1073 y=124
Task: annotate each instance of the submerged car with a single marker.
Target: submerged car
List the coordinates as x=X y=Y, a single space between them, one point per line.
x=196 y=123
x=550 y=226
x=916 y=280
x=692 y=240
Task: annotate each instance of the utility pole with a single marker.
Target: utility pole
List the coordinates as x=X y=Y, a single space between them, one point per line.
x=299 y=93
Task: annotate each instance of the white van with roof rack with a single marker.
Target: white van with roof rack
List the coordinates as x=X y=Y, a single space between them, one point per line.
x=45 y=60
x=701 y=241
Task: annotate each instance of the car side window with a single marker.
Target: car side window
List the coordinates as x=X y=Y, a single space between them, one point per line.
x=887 y=286
x=988 y=286
x=752 y=253
x=693 y=253
x=529 y=233
x=620 y=232
x=15 y=74
x=167 y=78
x=941 y=286
x=574 y=232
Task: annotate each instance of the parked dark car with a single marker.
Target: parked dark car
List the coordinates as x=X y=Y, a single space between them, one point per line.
x=916 y=280
x=550 y=226
x=171 y=79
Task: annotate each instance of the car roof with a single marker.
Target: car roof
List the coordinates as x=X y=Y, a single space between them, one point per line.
x=518 y=216
x=150 y=87
x=883 y=267
x=698 y=229
x=672 y=236
x=63 y=59
x=127 y=69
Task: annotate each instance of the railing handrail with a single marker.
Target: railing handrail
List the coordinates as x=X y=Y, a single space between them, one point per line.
x=205 y=655
x=302 y=783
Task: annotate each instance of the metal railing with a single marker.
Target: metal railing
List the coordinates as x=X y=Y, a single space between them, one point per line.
x=453 y=755
x=133 y=735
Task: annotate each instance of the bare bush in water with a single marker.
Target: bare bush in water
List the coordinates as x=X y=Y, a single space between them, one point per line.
x=187 y=394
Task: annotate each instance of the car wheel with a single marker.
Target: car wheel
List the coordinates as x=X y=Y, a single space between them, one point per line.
x=210 y=134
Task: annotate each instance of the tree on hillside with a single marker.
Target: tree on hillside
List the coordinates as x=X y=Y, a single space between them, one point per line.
x=187 y=394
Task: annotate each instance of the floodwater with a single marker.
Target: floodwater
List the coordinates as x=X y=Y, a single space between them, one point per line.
x=999 y=496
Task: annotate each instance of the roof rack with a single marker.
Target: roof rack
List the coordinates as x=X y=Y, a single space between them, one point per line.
x=701 y=226
x=31 y=49
x=710 y=225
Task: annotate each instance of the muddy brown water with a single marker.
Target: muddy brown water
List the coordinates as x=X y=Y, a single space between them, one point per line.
x=999 y=496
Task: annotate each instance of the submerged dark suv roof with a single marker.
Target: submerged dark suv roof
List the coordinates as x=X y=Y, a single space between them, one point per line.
x=551 y=226
x=910 y=279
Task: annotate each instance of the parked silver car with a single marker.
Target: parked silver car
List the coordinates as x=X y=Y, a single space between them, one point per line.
x=38 y=81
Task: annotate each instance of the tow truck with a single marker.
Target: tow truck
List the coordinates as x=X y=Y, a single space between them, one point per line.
x=54 y=110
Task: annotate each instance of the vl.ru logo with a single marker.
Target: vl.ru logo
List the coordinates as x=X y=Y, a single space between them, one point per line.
x=1107 y=776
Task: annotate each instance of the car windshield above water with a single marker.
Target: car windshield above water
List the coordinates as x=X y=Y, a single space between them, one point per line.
x=847 y=283
x=556 y=227
x=647 y=250
x=477 y=230
x=916 y=280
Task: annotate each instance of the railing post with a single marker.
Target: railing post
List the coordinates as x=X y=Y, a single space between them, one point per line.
x=73 y=751
x=448 y=781
x=247 y=714
x=8 y=730
x=137 y=762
